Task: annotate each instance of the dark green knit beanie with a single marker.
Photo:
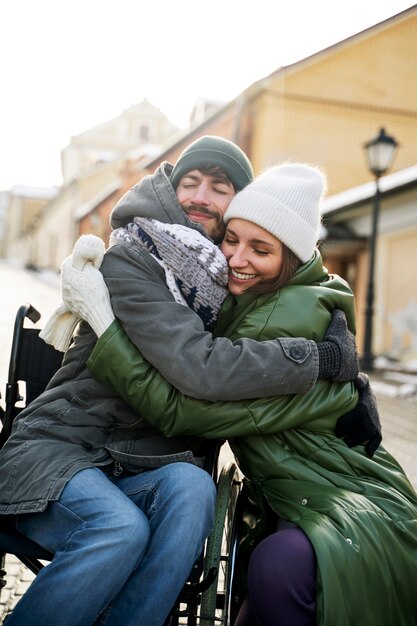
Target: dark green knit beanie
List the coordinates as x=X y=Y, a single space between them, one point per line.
x=214 y=151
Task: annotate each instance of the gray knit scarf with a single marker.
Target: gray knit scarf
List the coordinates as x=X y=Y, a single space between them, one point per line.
x=195 y=269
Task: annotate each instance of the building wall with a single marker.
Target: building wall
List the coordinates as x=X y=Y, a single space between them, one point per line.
x=395 y=288
x=22 y=219
x=323 y=109
x=397 y=332
x=97 y=221
x=52 y=240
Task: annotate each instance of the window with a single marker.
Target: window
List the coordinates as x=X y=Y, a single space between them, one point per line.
x=144 y=132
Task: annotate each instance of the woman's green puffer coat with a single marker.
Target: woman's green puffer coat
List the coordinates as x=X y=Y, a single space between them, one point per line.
x=360 y=513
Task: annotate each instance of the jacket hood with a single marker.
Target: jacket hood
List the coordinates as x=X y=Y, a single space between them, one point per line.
x=153 y=197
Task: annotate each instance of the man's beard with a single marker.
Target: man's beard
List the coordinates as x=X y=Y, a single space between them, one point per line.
x=216 y=230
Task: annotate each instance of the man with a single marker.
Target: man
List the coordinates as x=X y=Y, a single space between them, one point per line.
x=94 y=483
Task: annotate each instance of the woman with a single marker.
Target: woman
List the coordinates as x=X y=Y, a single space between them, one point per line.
x=343 y=549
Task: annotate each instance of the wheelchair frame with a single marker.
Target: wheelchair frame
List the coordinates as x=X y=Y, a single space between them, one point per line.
x=206 y=598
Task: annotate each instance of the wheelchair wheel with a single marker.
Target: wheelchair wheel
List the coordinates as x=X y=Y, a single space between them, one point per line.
x=221 y=551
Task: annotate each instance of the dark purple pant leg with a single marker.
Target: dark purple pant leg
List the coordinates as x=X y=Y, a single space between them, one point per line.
x=281 y=582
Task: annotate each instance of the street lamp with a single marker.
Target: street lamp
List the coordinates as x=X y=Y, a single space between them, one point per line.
x=380 y=153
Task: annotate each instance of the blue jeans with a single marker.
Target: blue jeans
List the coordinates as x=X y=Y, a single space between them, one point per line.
x=125 y=544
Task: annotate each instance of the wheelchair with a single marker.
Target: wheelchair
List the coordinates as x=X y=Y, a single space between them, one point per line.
x=207 y=597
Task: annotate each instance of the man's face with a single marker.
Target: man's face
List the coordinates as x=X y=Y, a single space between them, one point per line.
x=205 y=198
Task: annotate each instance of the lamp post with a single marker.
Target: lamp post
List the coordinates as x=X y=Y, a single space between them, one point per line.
x=380 y=152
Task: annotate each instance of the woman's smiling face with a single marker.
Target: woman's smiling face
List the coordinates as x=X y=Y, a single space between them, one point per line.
x=253 y=254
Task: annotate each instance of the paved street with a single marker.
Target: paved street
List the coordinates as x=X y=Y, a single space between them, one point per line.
x=17 y=287
x=397 y=393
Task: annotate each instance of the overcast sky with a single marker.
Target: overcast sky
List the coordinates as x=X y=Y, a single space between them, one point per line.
x=69 y=65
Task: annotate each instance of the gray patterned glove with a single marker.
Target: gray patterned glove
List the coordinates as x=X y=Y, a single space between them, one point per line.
x=338 y=354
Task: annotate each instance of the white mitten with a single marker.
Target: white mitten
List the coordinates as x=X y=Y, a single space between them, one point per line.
x=84 y=293
x=89 y=249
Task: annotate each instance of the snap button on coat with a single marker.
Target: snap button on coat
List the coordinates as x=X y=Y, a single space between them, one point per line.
x=296 y=352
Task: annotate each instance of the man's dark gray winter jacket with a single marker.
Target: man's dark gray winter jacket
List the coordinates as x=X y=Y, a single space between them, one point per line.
x=78 y=423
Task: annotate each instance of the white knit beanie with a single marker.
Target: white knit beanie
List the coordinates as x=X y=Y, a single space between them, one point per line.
x=285 y=201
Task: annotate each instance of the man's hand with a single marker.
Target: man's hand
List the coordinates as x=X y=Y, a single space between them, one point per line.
x=362 y=424
x=338 y=354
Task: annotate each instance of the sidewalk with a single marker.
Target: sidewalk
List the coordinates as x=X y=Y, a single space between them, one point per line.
x=399 y=421
x=19 y=286
x=396 y=393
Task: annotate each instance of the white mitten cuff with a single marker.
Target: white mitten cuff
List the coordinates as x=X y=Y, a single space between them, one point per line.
x=100 y=316
x=59 y=329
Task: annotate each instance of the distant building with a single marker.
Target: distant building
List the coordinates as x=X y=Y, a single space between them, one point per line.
x=43 y=231
x=20 y=216
x=140 y=130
